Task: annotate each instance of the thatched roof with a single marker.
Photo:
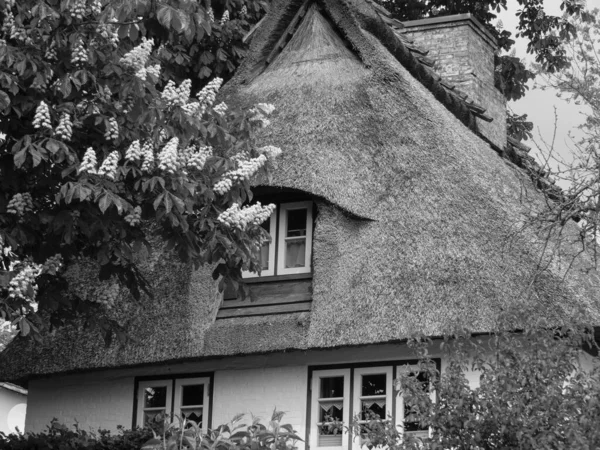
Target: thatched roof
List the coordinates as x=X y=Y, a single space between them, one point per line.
x=436 y=240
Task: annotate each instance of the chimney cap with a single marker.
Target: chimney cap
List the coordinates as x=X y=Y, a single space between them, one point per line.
x=440 y=21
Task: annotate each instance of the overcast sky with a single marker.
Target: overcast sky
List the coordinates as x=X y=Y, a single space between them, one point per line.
x=539 y=104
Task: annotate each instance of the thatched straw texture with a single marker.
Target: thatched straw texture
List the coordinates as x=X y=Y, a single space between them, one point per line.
x=434 y=242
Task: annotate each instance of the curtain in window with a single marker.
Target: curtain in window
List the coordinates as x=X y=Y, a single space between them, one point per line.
x=295 y=253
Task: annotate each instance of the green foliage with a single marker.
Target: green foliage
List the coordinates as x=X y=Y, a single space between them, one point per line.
x=61 y=437
x=518 y=127
x=184 y=434
x=179 y=435
x=546 y=34
x=89 y=80
x=533 y=394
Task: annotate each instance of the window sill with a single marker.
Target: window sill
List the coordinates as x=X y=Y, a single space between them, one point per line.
x=267 y=279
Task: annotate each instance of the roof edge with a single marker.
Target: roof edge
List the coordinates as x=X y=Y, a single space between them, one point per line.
x=13 y=387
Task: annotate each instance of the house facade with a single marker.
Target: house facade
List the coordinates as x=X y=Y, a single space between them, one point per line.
x=13 y=408
x=398 y=205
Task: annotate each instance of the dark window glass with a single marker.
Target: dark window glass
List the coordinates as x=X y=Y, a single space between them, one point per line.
x=373 y=409
x=332 y=387
x=192 y=395
x=155 y=397
x=296 y=223
x=373 y=384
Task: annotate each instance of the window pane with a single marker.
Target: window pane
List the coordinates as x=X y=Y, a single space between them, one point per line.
x=194 y=414
x=373 y=384
x=153 y=419
x=155 y=397
x=192 y=395
x=332 y=387
x=295 y=253
x=372 y=409
x=296 y=222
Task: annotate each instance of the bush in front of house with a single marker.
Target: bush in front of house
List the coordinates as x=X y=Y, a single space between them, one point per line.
x=60 y=437
x=179 y=434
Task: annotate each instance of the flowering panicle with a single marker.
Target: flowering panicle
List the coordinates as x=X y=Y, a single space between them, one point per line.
x=79 y=54
x=109 y=165
x=247 y=168
x=50 y=53
x=244 y=11
x=137 y=58
x=78 y=9
x=89 y=162
x=236 y=217
x=134 y=152
x=134 y=217
x=260 y=113
x=64 y=130
x=177 y=96
x=23 y=285
x=211 y=14
x=221 y=108
x=225 y=17
x=208 y=94
x=9 y=22
x=167 y=158
x=223 y=186
x=198 y=158
x=112 y=131
x=20 y=204
x=270 y=151
x=42 y=116
x=147 y=157
x=154 y=71
x=96 y=7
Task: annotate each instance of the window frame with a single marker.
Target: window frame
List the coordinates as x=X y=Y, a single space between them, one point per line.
x=174 y=384
x=277 y=230
x=141 y=388
x=315 y=385
x=179 y=384
x=400 y=403
x=395 y=406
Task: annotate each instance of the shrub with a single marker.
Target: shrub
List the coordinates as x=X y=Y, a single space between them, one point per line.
x=177 y=435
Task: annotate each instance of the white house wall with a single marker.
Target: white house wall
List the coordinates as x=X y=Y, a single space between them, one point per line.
x=250 y=384
x=12 y=408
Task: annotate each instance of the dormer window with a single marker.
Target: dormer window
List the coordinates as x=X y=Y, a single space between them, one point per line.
x=290 y=249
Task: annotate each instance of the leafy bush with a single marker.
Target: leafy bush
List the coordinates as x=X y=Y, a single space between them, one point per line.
x=177 y=435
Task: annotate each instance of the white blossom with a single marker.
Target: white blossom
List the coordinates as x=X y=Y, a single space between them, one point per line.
x=109 y=165
x=112 y=131
x=137 y=58
x=208 y=94
x=270 y=151
x=147 y=157
x=42 y=116
x=134 y=217
x=167 y=158
x=223 y=186
x=198 y=158
x=23 y=285
x=225 y=17
x=236 y=217
x=89 y=162
x=221 y=108
x=79 y=55
x=64 y=130
x=20 y=204
x=134 y=152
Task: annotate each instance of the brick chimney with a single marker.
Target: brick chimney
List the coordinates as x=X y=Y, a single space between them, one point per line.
x=463 y=51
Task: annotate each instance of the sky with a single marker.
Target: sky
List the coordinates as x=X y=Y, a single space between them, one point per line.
x=538 y=104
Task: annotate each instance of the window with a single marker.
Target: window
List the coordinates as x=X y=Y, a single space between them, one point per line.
x=183 y=397
x=290 y=249
x=330 y=408
x=411 y=425
x=339 y=396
